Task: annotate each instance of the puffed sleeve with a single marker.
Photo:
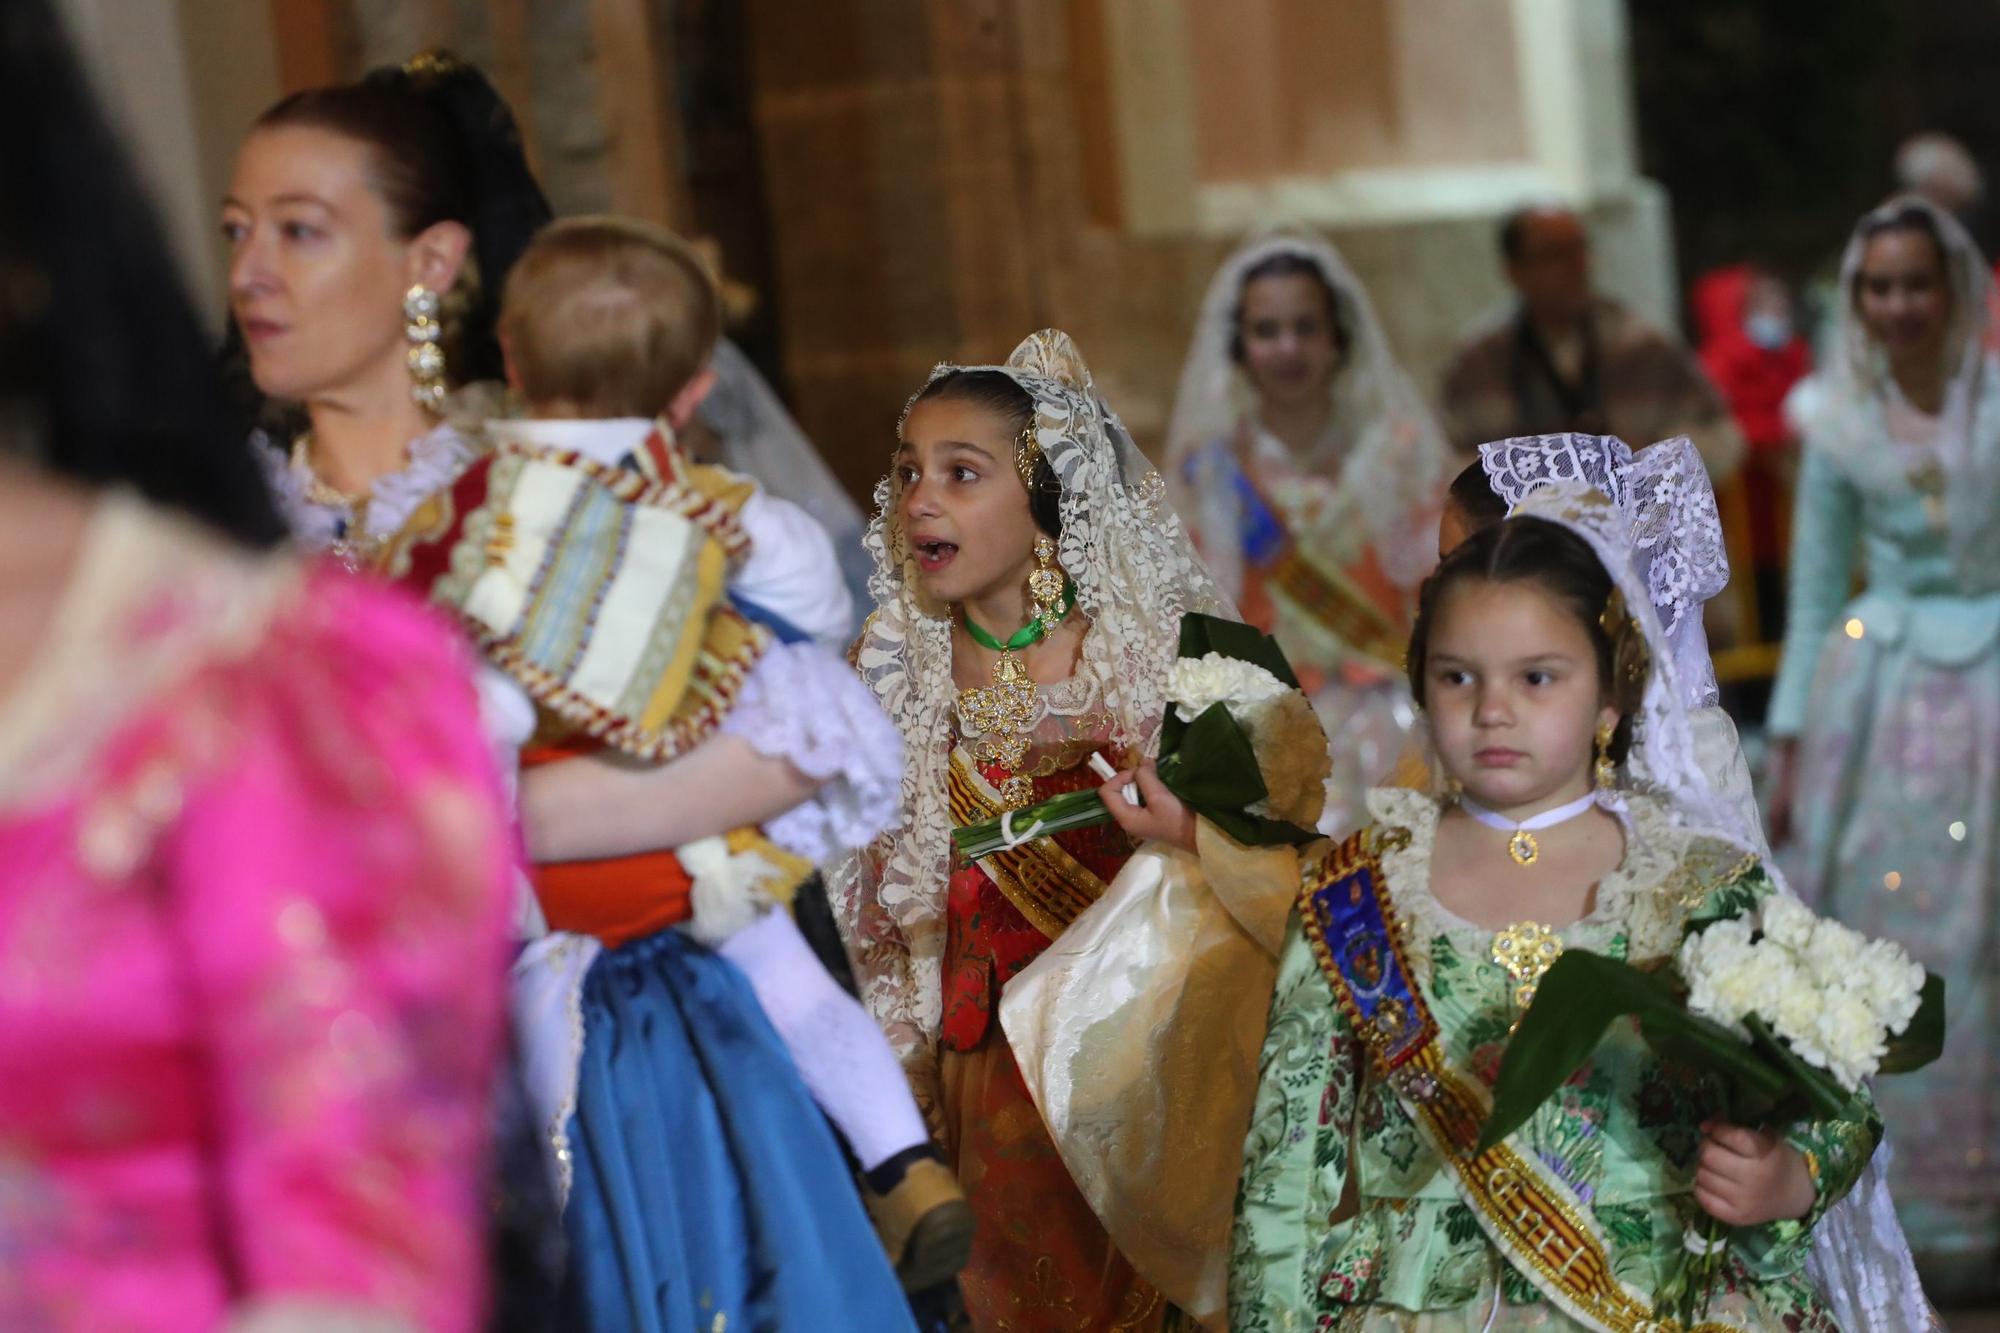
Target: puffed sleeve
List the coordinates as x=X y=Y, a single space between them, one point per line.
x=1826 y=524
x=337 y=886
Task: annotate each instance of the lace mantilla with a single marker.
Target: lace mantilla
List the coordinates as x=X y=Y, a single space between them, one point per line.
x=1664 y=761
x=1135 y=573
x=1376 y=473
x=1664 y=496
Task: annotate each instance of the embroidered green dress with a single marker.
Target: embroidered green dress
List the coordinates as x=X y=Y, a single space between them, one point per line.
x=1348 y=1218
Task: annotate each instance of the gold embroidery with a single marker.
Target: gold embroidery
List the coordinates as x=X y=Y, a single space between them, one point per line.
x=1695 y=878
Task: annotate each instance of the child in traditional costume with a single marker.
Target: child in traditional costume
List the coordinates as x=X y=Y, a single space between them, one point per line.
x=1577 y=816
x=654 y=619
x=1860 y=1262
x=1029 y=589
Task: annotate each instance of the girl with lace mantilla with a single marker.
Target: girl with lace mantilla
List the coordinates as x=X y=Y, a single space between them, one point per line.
x=1545 y=672
x=1029 y=588
x=1663 y=494
x=1310 y=473
x=1860 y=1261
x=1887 y=705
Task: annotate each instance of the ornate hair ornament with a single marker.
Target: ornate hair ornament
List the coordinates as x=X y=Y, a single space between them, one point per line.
x=434 y=63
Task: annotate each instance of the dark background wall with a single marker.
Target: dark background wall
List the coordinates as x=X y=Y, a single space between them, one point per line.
x=1772 y=123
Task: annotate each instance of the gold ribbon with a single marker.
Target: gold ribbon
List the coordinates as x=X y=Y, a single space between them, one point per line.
x=1049 y=886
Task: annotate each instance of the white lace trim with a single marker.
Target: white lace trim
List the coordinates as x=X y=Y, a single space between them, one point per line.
x=1629 y=900
x=802 y=702
x=434 y=462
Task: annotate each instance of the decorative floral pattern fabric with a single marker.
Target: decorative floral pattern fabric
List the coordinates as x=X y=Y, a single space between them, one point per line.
x=1328 y=1140
x=251 y=948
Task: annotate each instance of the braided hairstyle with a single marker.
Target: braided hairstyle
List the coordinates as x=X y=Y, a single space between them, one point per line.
x=1562 y=564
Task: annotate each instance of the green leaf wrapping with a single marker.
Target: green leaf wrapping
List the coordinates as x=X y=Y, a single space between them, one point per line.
x=1923 y=1040
x=1058 y=814
x=1580 y=997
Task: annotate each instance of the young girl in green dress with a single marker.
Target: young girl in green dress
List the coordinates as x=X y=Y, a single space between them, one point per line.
x=1574 y=815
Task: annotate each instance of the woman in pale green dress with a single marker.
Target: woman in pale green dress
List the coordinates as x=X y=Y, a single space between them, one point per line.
x=1362 y=1205
x=1886 y=772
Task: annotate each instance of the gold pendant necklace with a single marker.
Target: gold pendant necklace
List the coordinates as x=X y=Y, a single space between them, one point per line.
x=1522 y=844
x=1003 y=713
x=352 y=547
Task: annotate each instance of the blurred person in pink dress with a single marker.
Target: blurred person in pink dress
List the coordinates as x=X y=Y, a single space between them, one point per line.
x=253 y=859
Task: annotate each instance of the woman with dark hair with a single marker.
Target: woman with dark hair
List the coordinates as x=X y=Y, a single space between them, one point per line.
x=1310 y=473
x=371 y=226
x=1886 y=711
x=257 y=859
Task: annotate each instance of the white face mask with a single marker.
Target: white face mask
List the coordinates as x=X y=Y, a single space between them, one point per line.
x=1768 y=331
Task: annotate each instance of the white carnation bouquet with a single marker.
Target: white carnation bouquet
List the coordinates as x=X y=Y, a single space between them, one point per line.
x=1789 y=1013
x=1240 y=745
x=1833 y=996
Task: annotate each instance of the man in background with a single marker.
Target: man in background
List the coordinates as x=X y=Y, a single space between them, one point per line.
x=1565 y=357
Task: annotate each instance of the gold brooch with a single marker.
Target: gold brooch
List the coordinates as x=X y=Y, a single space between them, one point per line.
x=1527 y=950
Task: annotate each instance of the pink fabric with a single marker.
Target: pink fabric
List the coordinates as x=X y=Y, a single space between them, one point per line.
x=250 y=988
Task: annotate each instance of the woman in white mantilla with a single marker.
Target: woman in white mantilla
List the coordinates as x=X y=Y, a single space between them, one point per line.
x=1886 y=714
x=1310 y=473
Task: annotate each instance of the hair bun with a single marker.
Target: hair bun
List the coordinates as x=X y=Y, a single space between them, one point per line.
x=507 y=206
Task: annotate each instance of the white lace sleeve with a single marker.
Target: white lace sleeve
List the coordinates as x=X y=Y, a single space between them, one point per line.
x=803 y=703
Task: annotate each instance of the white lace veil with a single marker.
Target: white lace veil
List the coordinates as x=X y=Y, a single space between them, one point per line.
x=1844 y=412
x=1668 y=506
x=1860 y=1260
x=1135 y=573
x=1381 y=446
x=759 y=438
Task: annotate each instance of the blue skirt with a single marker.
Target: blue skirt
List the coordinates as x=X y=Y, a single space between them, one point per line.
x=709 y=1192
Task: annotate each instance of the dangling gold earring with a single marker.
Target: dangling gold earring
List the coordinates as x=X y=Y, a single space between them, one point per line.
x=421 y=327
x=1607 y=772
x=1453 y=788
x=1045 y=584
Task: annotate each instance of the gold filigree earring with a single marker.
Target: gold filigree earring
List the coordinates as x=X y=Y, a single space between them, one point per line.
x=1607 y=772
x=421 y=327
x=1045 y=584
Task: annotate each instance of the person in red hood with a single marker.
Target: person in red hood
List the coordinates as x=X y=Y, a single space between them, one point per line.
x=1750 y=349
